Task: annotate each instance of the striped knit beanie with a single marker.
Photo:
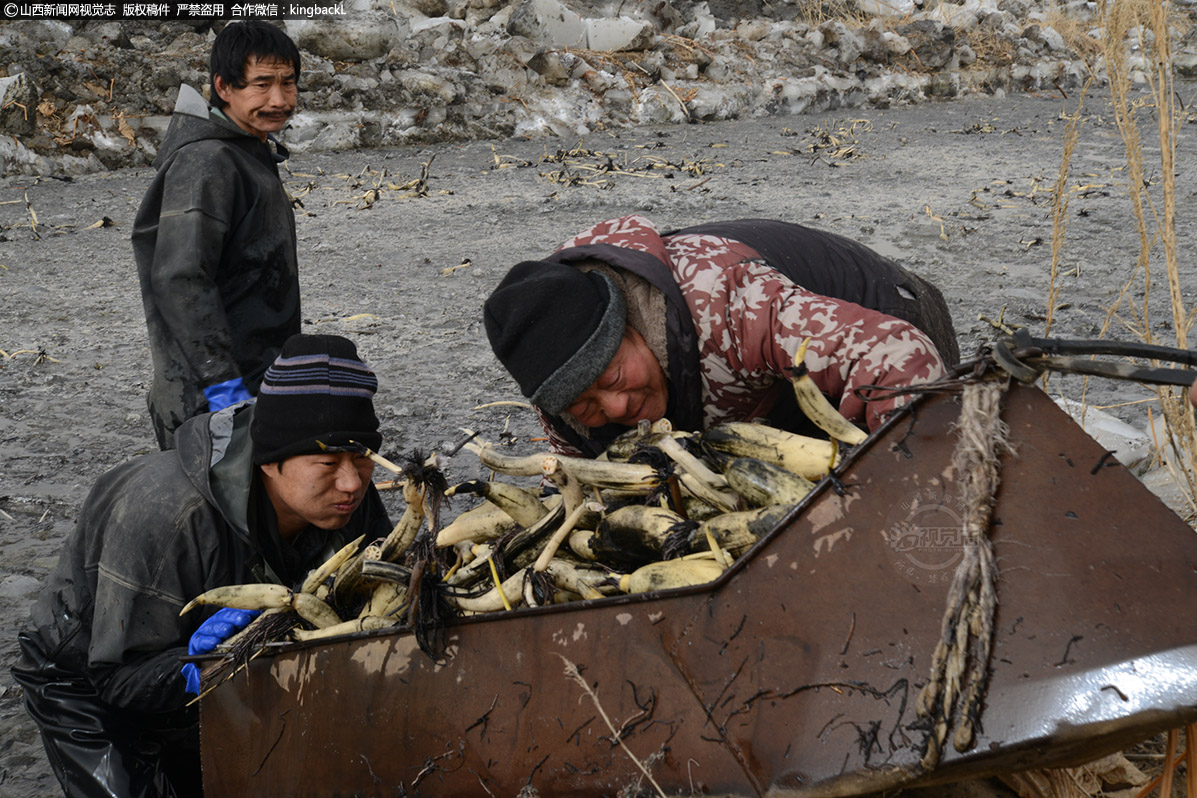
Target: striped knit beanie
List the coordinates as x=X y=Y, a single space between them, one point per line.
x=316 y=395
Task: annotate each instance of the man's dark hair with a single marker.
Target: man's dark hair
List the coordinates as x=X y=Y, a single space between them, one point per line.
x=238 y=42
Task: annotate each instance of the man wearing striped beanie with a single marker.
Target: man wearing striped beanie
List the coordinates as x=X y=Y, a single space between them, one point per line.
x=316 y=396
x=257 y=492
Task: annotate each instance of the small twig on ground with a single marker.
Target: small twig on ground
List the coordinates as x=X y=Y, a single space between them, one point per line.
x=998 y=324
x=32 y=216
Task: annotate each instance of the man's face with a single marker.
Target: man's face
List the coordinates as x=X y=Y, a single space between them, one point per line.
x=267 y=100
x=631 y=388
x=318 y=489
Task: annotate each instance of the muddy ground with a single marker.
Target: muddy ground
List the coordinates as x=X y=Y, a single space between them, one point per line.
x=960 y=192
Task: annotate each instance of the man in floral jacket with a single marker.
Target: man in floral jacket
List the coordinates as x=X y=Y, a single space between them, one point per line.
x=625 y=323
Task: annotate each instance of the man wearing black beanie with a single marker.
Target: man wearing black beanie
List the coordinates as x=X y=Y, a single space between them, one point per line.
x=257 y=492
x=625 y=324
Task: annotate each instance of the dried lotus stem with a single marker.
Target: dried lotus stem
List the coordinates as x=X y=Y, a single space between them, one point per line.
x=691 y=464
x=363 y=624
x=330 y=566
x=561 y=535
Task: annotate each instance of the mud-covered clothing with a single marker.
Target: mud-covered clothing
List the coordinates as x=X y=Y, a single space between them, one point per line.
x=214 y=241
x=733 y=314
x=100 y=654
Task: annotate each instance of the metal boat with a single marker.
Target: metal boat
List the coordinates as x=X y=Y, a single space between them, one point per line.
x=795 y=673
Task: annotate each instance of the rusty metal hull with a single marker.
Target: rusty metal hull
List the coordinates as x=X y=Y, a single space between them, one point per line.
x=794 y=674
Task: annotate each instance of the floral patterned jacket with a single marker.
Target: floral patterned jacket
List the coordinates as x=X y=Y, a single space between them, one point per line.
x=733 y=325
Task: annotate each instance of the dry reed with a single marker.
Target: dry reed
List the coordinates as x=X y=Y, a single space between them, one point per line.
x=1152 y=206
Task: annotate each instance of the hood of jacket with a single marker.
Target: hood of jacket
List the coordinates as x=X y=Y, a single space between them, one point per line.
x=217 y=456
x=193 y=120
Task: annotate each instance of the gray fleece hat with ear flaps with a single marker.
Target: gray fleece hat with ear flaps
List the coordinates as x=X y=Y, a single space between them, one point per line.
x=555 y=329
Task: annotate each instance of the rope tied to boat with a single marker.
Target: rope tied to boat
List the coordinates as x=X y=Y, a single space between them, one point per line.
x=960 y=665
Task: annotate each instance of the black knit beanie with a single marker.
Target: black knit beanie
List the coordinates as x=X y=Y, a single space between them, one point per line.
x=555 y=329
x=316 y=392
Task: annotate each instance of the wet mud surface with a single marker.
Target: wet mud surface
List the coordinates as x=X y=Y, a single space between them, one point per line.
x=960 y=192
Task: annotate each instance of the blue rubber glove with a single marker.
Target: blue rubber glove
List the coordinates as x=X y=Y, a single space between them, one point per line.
x=226 y=393
x=223 y=624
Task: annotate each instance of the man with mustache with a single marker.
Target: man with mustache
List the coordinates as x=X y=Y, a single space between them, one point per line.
x=257 y=492
x=625 y=323
x=214 y=238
